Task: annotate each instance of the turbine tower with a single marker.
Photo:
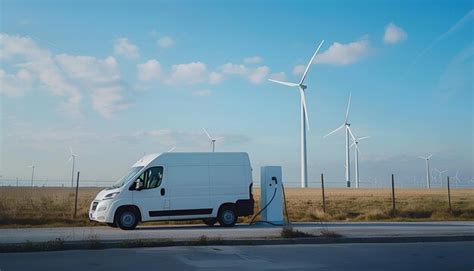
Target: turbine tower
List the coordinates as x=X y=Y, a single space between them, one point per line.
x=304 y=117
x=212 y=139
x=73 y=158
x=355 y=143
x=428 y=178
x=32 y=173
x=346 y=125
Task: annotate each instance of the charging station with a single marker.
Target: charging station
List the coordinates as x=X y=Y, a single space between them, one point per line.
x=271 y=195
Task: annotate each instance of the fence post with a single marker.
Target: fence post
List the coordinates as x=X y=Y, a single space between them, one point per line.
x=322 y=190
x=393 y=195
x=449 y=195
x=77 y=188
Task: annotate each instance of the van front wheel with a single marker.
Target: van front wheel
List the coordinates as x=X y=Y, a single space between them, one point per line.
x=127 y=219
x=227 y=216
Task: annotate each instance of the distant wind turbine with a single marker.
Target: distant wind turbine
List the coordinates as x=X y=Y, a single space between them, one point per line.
x=212 y=139
x=355 y=143
x=73 y=158
x=457 y=178
x=32 y=173
x=428 y=177
x=304 y=116
x=440 y=175
x=346 y=125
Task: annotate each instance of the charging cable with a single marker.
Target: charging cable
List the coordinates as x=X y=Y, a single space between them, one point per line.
x=252 y=221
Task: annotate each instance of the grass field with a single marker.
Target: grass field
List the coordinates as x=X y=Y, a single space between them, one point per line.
x=28 y=207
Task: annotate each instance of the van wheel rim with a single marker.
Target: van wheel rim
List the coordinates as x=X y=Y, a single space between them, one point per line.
x=228 y=217
x=127 y=219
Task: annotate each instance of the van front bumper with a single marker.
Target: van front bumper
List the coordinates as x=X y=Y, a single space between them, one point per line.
x=99 y=210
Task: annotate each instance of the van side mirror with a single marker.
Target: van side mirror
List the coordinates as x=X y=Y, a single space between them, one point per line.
x=138 y=184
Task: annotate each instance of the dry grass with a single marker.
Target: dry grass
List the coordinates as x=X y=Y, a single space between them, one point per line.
x=24 y=207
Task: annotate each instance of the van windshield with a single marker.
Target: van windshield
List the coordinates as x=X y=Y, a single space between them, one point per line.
x=133 y=171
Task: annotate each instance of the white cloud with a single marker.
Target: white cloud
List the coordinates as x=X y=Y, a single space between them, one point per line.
x=99 y=76
x=125 y=48
x=89 y=68
x=230 y=68
x=15 y=85
x=259 y=74
x=150 y=70
x=40 y=64
x=299 y=69
x=281 y=76
x=394 y=34
x=107 y=100
x=203 y=92
x=64 y=75
x=188 y=74
x=166 y=42
x=215 y=78
x=253 y=59
x=345 y=54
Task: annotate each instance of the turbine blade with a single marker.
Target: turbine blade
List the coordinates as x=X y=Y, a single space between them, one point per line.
x=350 y=132
x=429 y=156
x=310 y=62
x=337 y=129
x=70 y=150
x=364 y=137
x=207 y=133
x=218 y=138
x=348 y=106
x=422 y=157
x=284 y=83
x=303 y=103
x=353 y=143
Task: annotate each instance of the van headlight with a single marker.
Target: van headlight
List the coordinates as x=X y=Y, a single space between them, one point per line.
x=111 y=195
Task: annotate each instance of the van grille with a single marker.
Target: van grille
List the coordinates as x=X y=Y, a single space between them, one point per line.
x=94 y=205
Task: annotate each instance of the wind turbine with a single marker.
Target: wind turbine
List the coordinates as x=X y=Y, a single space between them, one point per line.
x=213 y=140
x=32 y=173
x=346 y=125
x=457 y=178
x=304 y=116
x=428 y=178
x=73 y=158
x=440 y=174
x=355 y=143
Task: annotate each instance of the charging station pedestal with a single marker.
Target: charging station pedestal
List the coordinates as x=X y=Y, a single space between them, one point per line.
x=271 y=179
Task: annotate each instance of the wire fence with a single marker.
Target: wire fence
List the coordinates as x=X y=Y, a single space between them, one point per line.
x=375 y=183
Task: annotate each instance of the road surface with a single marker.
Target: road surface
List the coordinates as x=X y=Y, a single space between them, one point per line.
x=407 y=256
x=194 y=232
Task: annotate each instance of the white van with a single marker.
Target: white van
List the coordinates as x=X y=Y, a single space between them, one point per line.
x=214 y=187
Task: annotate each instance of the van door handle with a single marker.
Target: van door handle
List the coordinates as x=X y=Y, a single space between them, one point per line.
x=162 y=191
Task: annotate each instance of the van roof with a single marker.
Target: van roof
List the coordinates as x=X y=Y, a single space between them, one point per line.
x=147 y=159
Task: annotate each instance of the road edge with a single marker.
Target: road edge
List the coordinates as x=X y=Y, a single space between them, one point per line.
x=58 y=245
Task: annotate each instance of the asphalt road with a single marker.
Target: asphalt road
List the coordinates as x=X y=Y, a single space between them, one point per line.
x=406 y=256
x=194 y=232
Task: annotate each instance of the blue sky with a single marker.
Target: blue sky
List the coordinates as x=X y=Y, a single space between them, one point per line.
x=114 y=80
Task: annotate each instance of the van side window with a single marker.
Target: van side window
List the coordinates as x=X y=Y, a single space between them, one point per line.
x=152 y=177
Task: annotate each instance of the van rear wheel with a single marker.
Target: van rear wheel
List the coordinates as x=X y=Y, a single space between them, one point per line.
x=126 y=219
x=227 y=216
x=210 y=221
